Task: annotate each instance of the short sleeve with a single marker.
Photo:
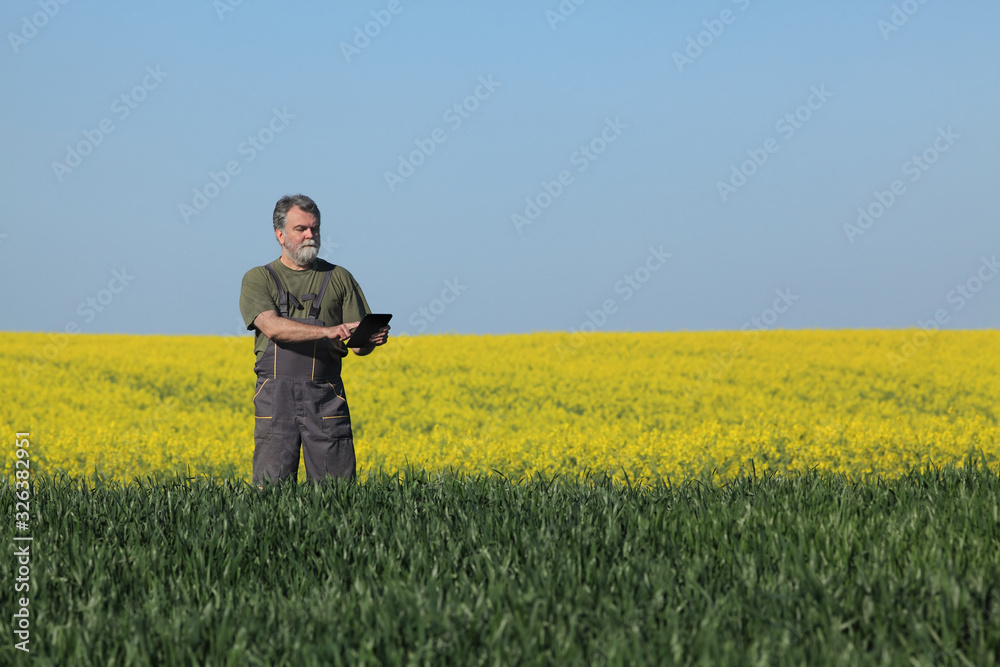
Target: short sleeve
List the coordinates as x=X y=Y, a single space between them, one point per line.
x=255 y=295
x=354 y=306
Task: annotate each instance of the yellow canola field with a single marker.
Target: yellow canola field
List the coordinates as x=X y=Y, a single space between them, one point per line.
x=652 y=405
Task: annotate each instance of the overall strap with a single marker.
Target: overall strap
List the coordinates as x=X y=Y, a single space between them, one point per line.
x=282 y=294
x=318 y=299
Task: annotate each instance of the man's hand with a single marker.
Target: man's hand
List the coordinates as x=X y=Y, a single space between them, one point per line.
x=341 y=331
x=380 y=337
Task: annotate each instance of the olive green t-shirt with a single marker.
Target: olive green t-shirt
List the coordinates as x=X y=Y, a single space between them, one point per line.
x=343 y=302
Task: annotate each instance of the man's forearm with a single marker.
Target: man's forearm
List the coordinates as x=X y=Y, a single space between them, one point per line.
x=285 y=330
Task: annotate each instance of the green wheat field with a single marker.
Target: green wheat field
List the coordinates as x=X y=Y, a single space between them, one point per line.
x=453 y=569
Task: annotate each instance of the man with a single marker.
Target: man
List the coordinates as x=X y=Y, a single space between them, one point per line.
x=302 y=309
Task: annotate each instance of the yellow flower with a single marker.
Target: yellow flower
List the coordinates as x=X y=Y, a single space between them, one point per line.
x=649 y=405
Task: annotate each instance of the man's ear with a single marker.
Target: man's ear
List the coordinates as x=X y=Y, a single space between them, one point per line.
x=280 y=236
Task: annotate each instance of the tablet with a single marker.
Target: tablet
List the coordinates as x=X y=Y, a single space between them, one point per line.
x=367 y=328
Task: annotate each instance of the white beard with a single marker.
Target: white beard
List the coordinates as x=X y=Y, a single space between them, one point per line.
x=304 y=253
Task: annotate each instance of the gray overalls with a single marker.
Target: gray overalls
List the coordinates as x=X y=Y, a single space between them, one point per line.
x=300 y=399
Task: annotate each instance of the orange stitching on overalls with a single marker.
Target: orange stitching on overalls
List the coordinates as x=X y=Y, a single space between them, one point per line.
x=341 y=398
x=261 y=387
x=255 y=397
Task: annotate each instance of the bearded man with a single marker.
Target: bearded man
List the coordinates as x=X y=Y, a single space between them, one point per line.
x=302 y=309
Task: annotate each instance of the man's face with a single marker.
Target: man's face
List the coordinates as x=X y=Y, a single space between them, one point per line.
x=300 y=238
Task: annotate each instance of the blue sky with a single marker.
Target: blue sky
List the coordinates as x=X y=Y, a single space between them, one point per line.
x=506 y=167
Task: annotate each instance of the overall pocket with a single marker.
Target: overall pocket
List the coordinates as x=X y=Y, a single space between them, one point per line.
x=333 y=410
x=263 y=408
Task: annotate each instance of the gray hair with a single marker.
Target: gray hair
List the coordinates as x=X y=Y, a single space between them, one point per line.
x=287 y=202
